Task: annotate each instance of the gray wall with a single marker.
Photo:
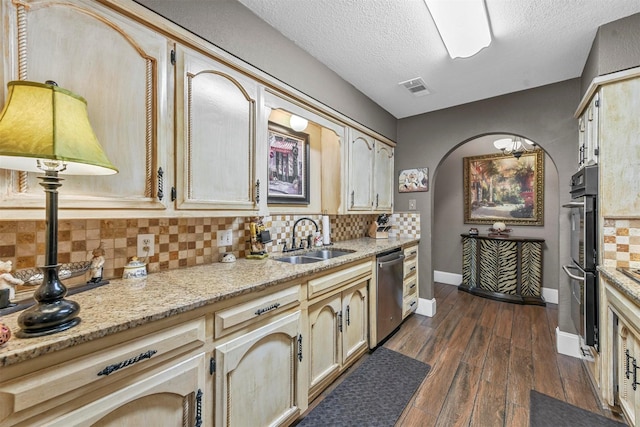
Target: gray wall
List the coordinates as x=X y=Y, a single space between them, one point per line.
x=616 y=47
x=234 y=28
x=543 y=115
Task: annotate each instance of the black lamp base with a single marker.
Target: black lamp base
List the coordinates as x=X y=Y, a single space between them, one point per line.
x=48 y=318
x=51 y=313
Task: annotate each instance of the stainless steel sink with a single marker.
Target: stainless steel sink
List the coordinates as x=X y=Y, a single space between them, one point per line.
x=327 y=253
x=313 y=256
x=298 y=259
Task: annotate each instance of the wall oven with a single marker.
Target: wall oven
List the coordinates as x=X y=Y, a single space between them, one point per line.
x=584 y=255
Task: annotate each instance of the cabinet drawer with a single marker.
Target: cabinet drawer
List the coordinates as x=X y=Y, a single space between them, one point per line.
x=100 y=367
x=241 y=315
x=410 y=304
x=410 y=252
x=410 y=286
x=410 y=266
x=330 y=281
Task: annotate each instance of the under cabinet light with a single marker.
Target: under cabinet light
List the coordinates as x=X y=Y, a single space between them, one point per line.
x=463 y=25
x=298 y=123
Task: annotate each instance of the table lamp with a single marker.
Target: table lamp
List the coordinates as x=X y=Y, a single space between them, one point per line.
x=44 y=128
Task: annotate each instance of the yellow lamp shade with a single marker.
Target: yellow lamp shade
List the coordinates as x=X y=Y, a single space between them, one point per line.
x=45 y=122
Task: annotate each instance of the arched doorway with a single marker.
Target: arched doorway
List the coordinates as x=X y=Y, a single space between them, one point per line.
x=448 y=215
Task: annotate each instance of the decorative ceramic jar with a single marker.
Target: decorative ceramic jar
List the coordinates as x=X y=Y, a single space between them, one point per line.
x=135 y=269
x=5 y=333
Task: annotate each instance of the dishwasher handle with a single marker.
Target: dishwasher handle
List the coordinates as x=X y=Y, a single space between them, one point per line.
x=382 y=264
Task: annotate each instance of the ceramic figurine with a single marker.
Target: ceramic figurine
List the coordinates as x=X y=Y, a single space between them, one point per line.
x=97 y=264
x=7 y=281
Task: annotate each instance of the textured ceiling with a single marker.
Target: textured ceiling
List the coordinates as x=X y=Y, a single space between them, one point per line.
x=376 y=44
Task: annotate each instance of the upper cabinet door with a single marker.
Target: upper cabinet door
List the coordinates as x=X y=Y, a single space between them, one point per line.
x=361 y=158
x=121 y=69
x=383 y=177
x=215 y=146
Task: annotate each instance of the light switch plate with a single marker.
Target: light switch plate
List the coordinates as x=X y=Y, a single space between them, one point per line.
x=146 y=245
x=412 y=204
x=225 y=237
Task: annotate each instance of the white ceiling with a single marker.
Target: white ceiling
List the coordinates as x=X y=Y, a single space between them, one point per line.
x=376 y=44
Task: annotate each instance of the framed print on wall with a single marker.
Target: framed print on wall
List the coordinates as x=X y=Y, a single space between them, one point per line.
x=288 y=166
x=411 y=180
x=499 y=187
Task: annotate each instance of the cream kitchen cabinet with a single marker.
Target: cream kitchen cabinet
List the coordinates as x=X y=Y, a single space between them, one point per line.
x=383 y=178
x=216 y=135
x=588 y=134
x=169 y=397
x=145 y=374
x=370 y=172
x=338 y=326
x=122 y=69
x=628 y=377
x=620 y=365
x=258 y=375
x=609 y=115
x=410 y=281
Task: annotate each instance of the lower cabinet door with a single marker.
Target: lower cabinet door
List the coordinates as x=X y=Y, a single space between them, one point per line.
x=169 y=397
x=257 y=376
x=325 y=342
x=355 y=319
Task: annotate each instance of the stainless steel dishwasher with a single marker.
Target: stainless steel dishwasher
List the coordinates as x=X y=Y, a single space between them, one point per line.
x=389 y=293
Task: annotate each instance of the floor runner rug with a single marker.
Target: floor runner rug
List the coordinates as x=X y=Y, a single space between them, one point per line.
x=547 y=411
x=375 y=394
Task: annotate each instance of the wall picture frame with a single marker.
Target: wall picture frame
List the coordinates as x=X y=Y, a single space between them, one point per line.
x=499 y=187
x=288 y=166
x=413 y=180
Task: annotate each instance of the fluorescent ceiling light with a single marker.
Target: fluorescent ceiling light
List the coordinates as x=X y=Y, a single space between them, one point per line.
x=463 y=25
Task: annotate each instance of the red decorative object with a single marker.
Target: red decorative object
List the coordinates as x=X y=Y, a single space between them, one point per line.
x=5 y=333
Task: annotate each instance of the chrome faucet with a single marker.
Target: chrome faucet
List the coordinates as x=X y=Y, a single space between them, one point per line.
x=293 y=238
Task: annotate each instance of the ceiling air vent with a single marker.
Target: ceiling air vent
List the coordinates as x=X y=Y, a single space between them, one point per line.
x=416 y=86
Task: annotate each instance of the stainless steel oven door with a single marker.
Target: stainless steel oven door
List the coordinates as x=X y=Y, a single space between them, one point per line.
x=583 y=232
x=584 y=305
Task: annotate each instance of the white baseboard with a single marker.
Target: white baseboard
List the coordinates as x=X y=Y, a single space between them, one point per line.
x=568 y=344
x=550 y=295
x=447 y=278
x=426 y=307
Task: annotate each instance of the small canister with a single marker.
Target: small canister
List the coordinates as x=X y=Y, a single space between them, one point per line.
x=135 y=269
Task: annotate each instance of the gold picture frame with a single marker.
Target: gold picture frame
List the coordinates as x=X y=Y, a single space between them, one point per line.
x=499 y=187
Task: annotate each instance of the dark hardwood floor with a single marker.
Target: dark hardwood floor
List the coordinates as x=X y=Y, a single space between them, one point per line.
x=485 y=357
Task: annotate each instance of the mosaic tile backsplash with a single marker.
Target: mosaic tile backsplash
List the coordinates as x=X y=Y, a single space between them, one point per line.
x=179 y=242
x=621 y=243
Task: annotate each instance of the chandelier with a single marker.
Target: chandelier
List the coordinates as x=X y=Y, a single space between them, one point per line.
x=515 y=145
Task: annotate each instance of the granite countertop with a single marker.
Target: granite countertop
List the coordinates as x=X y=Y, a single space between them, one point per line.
x=624 y=284
x=125 y=304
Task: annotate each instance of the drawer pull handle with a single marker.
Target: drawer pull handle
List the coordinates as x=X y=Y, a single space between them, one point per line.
x=265 y=309
x=412 y=286
x=412 y=303
x=413 y=253
x=413 y=268
x=117 y=366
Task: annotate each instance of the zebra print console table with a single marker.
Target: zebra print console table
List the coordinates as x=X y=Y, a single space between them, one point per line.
x=506 y=268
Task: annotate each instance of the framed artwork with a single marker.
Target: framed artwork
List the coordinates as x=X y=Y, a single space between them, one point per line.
x=499 y=187
x=411 y=180
x=288 y=166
